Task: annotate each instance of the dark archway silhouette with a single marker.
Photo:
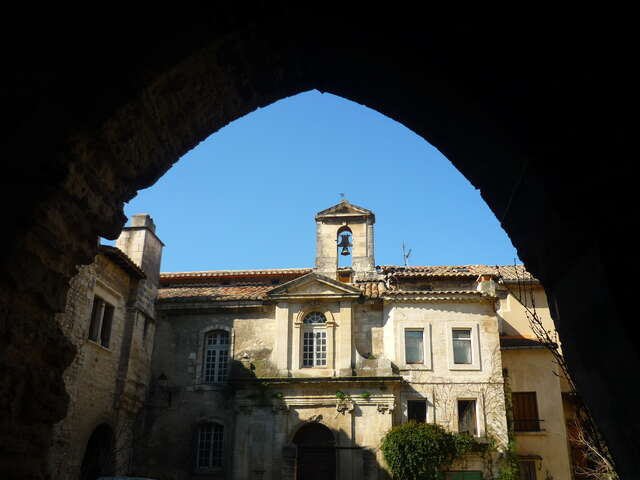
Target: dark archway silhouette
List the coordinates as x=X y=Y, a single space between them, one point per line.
x=316 y=453
x=533 y=114
x=99 y=459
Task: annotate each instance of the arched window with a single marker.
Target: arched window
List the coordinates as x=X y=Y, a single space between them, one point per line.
x=209 y=446
x=216 y=357
x=314 y=340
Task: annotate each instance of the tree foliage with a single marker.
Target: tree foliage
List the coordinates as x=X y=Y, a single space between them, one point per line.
x=418 y=451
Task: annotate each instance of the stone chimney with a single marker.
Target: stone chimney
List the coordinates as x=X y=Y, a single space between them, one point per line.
x=142 y=245
x=486 y=285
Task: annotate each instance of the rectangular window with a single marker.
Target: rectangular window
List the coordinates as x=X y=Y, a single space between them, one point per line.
x=216 y=357
x=314 y=348
x=527 y=469
x=414 y=346
x=467 y=422
x=209 y=448
x=417 y=411
x=101 y=321
x=525 y=412
x=462 y=346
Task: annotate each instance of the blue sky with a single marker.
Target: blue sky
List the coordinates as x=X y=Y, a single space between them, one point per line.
x=246 y=197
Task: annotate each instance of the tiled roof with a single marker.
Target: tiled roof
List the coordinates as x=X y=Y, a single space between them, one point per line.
x=432 y=292
x=372 y=289
x=221 y=285
x=235 y=273
x=508 y=272
x=435 y=295
x=213 y=292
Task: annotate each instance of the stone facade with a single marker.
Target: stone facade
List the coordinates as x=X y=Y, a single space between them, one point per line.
x=110 y=318
x=257 y=373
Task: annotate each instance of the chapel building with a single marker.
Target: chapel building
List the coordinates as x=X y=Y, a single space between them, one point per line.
x=299 y=373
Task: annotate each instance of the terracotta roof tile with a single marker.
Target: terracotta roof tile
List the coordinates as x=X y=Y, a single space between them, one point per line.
x=236 y=273
x=372 y=289
x=213 y=292
x=508 y=272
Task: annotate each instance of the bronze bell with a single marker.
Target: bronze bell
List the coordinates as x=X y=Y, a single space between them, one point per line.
x=344 y=243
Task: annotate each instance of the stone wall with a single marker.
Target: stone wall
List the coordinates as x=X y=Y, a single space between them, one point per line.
x=91 y=380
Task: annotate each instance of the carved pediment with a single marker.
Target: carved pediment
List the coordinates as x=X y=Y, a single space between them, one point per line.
x=344 y=209
x=314 y=285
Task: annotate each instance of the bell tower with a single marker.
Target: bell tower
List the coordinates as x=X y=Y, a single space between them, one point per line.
x=346 y=231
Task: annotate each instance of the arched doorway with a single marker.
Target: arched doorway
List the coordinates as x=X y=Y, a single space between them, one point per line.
x=316 y=457
x=99 y=459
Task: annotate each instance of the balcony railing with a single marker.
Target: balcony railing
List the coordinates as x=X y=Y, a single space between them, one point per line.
x=527 y=425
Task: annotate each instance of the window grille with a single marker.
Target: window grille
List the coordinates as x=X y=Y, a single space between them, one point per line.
x=216 y=357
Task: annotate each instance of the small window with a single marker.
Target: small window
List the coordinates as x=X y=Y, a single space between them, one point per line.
x=462 y=346
x=417 y=411
x=527 y=469
x=525 y=412
x=467 y=417
x=216 y=357
x=101 y=321
x=147 y=324
x=209 y=446
x=414 y=346
x=314 y=340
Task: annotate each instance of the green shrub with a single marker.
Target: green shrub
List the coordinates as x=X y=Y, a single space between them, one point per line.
x=418 y=451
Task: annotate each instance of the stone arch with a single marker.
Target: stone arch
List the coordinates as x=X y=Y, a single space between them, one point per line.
x=99 y=457
x=315 y=452
x=478 y=91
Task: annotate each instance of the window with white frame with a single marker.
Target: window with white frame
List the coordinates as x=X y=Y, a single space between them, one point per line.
x=209 y=446
x=314 y=340
x=462 y=346
x=216 y=357
x=101 y=321
x=414 y=346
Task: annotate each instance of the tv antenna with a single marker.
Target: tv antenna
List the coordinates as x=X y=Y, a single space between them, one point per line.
x=405 y=254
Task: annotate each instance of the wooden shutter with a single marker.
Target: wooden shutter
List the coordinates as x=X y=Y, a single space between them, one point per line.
x=525 y=412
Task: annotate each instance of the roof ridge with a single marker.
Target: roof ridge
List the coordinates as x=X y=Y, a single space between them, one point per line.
x=252 y=271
